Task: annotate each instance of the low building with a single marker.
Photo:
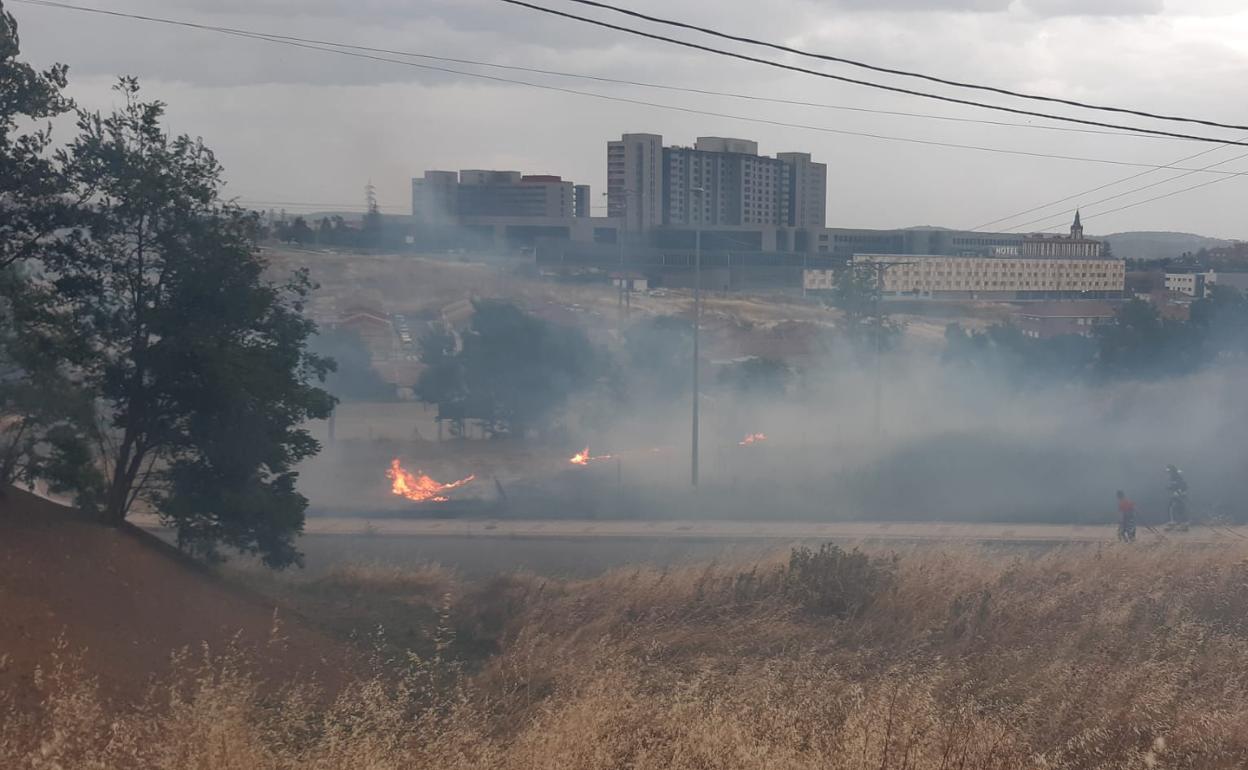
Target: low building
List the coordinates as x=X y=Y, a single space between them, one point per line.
x=992 y=277
x=1197 y=285
x=1189 y=284
x=1052 y=319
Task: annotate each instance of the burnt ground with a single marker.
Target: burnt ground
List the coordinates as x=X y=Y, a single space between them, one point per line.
x=126 y=602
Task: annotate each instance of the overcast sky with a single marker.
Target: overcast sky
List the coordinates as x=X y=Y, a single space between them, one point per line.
x=309 y=127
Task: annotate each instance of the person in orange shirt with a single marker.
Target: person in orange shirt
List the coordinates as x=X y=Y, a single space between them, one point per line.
x=1126 y=518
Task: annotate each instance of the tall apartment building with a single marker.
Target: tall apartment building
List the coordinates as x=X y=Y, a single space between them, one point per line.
x=441 y=198
x=635 y=181
x=718 y=182
x=808 y=190
x=434 y=197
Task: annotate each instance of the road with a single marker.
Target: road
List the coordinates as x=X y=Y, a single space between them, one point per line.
x=748 y=530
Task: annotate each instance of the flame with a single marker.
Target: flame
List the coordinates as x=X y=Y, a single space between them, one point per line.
x=583 y=457
x=752 y=438
x=418 y=486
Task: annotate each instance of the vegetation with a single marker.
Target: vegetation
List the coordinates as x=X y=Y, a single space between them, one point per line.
x=511 y=370
x=1110 y=658
x=1140 y=344
x=145 y=357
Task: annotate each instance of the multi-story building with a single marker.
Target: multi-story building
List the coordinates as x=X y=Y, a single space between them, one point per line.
x=441 y=198
x=434 y=198
x=808 y=190
x=635 y=181
x=719 y=182
x=1075 y=245
x=1197 y=285
x=987 y=277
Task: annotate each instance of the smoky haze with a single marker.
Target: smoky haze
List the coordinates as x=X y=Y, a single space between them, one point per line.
x=953 y=443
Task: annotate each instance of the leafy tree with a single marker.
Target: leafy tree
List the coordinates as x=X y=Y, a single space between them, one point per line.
x=199 y=361
x=300 y=233
x=513 y=370
x=1142 y=344
x=1004 y=350
x=39 y=404
x=757 y=377
x=657 y=357
x=1222 y=320
x=858 y=294
x=354 y=378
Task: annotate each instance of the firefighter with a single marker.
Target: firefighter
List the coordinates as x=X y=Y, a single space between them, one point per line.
x=1177 y=507
x=1126 y=518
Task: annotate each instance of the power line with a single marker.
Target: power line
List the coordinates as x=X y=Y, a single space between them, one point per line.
x=1132 y=191
x=581 y=76
x=868 y=83
x=655 y=105
x=893 y=71
x=1098 y=188
x=1170 y=194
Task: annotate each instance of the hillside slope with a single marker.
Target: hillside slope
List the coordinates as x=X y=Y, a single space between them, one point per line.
x=125 y=602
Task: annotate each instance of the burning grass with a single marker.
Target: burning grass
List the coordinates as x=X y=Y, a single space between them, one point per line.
x=1115 y=657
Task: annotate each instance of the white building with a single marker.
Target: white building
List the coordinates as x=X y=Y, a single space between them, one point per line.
x=997 y=277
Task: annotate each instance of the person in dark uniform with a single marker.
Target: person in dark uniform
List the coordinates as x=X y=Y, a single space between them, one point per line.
x=1177 y=506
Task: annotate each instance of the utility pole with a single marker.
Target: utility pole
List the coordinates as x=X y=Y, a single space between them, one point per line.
x=697 y=325
x=879 y=268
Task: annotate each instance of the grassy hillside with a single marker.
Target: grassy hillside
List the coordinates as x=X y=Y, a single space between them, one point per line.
x=1093 y=657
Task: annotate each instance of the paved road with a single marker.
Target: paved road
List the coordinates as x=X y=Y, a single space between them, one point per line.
x=749 y=530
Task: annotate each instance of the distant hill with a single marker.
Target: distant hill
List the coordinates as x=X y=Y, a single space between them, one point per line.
x=1158 y=245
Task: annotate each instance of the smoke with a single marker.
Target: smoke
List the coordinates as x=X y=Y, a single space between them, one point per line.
x=950 y=443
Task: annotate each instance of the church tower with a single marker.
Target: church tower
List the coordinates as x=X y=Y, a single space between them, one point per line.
x=1076 y=229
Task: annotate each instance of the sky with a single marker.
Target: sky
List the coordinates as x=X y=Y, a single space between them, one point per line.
x=306 y=129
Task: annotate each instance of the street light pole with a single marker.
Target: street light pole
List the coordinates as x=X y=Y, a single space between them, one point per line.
x=697 y=327
x=697 y=324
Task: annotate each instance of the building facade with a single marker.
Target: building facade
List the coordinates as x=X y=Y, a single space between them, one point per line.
x=443 y=198
x=1073 y=246
x=635 y=181
x=987 y=277
x=718 y=182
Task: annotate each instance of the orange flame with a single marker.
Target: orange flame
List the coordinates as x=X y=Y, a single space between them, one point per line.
x=752 y=438
x=583 y=457
x=418 y=486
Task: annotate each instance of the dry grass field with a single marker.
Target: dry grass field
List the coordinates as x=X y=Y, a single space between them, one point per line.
x=937 y=656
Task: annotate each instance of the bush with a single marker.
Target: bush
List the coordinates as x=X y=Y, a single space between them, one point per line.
x=836 y=582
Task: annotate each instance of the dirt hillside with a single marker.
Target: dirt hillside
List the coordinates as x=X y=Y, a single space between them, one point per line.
x=126 y=602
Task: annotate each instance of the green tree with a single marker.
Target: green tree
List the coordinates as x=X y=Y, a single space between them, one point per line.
x=200 y=362
x=657 y=358
x=858 y=294
x=513 y=371
x=40 y=406
x=757 y=377
x=1143 y=344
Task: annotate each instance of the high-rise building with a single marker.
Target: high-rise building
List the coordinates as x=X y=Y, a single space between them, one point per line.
x=441 y=198
x=434 y=197
x=808 y=190
x=719 y=181
x=635 y=181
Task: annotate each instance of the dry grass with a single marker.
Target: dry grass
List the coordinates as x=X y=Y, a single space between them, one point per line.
x=1117 y=657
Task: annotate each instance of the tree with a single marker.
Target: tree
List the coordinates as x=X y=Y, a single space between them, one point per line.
x=858 y=294
x=757 y=377
x=199 y=362
x=354 y=378
x=657 y=358
x=1142 y=344
x=513 y=370
x=39 y=404
x=300 y=233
